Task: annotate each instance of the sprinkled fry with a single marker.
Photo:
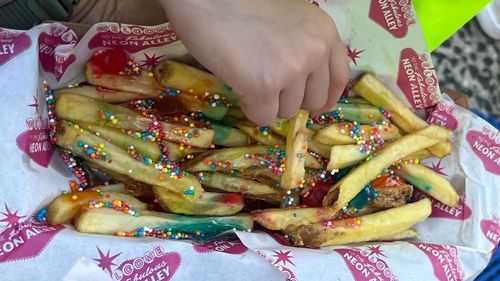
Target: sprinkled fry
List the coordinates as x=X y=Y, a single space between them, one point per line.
x=377 y=226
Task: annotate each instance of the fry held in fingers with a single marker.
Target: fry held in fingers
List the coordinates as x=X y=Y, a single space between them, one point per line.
x=346 y=133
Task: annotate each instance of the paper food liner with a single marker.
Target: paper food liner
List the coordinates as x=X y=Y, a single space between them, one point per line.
x=382 y=37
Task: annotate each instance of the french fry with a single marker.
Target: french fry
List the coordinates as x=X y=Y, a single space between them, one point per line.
x=296 y=149
x=99 y=93
x=176 y=152
x=406 y=234
x=206 y=203
x=322 y=150
x=120 y=138
x=209 y=109
x=64 y=207
x=392 y=196
x=280 y=219
x=338 y=134
x=280 y=126
x=429 y=182
x=130 y=186
x=192 y=80
x=236 y=113
x=421 y=154
x=252 y=130
x=229 y=137
x=376 y=93
x=370 y=227
x=353 y=100
x=261 y=174
x=236 y=158
x=342 y=156
x=77 y=108
x=107 y=221
x=361 y=113
x=341 y=193
x=140 y=84
x=74 y=139
x=248 y=188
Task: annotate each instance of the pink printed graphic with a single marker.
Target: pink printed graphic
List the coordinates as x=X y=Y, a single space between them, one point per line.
x=439 y=210
x=153 y=265
x=491 y=230
x=35 y=141
x=444 y=261
x=279 y=259
x=229 y=247
x=443 y=115
x=132 y=38
x=367 y=263
x=12 y=43
x=436 y=167
x=486 y=145
x=417 y=79
x=63 y=61
x=105 y=261
x=149 y=62
x=393 y=16
x=24 y=240
x=48 y=42
x=354 y=54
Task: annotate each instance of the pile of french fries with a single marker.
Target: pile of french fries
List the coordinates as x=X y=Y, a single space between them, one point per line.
x=197 y=171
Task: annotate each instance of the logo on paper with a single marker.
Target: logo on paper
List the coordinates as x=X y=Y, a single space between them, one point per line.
x=491 y=230
x=417 y=79
x=23 y=240
x=367 y=263
x=440 y=210
x=35 y=140
x=229 y=247
x=393 y=16
x=282 y=260
x=442 y=115
x=132 y=38
x=153 y=265
x=12 y=43
x=444 y=261
x=50 y=46
x=486 y=146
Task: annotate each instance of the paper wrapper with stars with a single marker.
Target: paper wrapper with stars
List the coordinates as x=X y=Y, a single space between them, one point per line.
x=382 y=37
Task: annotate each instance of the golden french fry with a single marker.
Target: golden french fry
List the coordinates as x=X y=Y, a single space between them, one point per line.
x=342 y=156
x=376 y=93
x=108 y=221
x=72 y=138
x=64 y=207
x=209 y=108
x=236 y=113
x=206 y=203
x=406 y=234
x=267 y=138
x=421 y=154
x=141 y=84
x=177 y=152
x=248 y=188
x=429 y=182
x=260 y=174
x=77 y=108
x=340 y=194
x=338 y=134
x=99 y=93
x=322 y=150
x=296 y=149
x=192 y=80
x=361 y=229
x=392 y=196
x=280 y=126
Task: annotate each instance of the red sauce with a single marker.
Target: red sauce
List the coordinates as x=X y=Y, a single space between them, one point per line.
x=169 y=106
x=315 y=196
x=110 y=61
x=232 y=198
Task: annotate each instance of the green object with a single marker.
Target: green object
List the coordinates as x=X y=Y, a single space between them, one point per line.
x=441 y=18
x=23 y=14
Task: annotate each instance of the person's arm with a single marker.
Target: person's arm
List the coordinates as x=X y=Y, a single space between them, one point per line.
x=278 y=55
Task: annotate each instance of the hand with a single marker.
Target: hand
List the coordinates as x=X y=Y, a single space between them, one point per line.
x=278 y=55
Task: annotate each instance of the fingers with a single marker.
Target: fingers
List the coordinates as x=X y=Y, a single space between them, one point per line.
x=317 y=86
x=339 y=76
x=261 y=110
x=291 y=99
